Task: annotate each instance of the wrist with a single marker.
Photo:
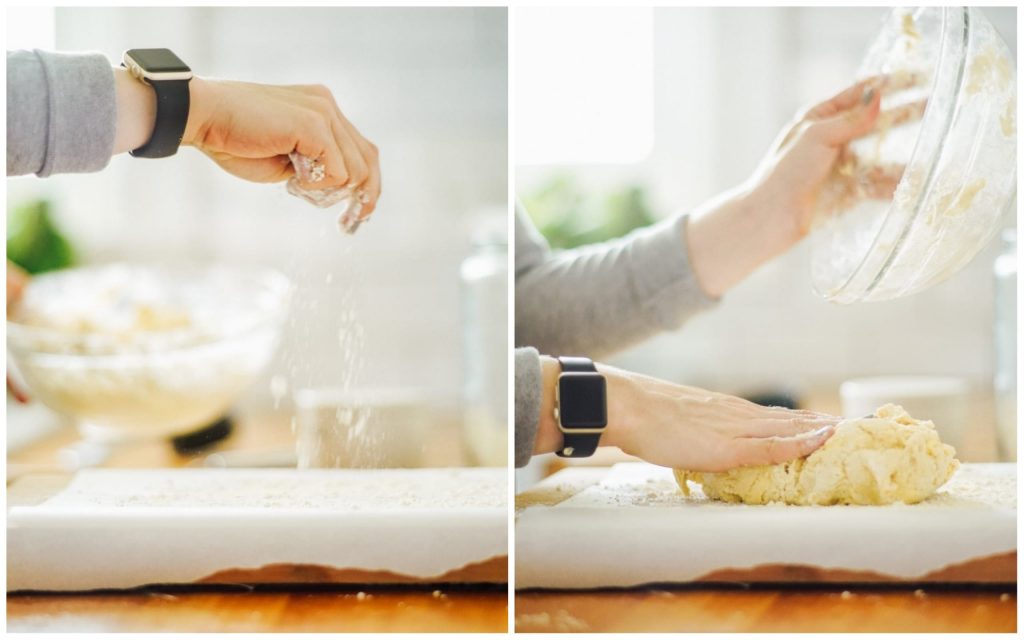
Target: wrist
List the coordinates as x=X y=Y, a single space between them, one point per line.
x=201 y=99
x=622 y=392
x=775 y=217
x=136 y=111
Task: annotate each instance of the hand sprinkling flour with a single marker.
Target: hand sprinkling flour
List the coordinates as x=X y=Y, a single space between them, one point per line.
x=350 y=201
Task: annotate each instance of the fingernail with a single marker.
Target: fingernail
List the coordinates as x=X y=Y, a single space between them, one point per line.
x=868 y=96
x=822 y=433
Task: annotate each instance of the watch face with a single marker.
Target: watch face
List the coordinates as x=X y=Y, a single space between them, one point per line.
x=157 y=61
x=582 y=401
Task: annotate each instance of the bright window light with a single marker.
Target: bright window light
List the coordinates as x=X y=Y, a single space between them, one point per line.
x=584 y=85
x=30 y=28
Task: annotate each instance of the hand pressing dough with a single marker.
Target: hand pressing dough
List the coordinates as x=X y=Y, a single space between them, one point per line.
x=890 y=457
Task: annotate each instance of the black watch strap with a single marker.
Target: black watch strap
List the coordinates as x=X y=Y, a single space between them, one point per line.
x=172 y=104
x=578 y=445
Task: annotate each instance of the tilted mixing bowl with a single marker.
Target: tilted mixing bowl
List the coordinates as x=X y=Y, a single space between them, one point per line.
x=960 y=159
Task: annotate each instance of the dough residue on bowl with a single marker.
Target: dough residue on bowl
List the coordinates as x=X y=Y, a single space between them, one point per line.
x=886 y=458
x=989 y=70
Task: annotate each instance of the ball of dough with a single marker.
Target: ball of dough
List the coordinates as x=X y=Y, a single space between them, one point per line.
x=889 y=457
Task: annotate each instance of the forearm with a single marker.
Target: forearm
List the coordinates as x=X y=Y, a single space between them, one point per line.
x=732 y=235
x=603 y=298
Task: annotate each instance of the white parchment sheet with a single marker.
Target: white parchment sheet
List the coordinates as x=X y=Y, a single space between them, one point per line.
x=636 y=527
x=123 y=528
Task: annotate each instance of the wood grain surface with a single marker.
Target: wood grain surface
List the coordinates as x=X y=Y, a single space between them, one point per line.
x=838 y=609
x=296 y=608
x=292 y=610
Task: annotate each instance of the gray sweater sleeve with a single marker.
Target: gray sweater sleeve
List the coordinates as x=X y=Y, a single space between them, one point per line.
x=61 y=112
x=527 y=402
x=602 y=298
x=593 y=301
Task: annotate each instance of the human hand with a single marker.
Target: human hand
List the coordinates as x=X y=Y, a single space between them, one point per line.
x=808 y=168
x=689 y=428
x=249 y=130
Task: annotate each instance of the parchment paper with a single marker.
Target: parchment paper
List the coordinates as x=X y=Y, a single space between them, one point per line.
x=636 y=527
x=124 y=528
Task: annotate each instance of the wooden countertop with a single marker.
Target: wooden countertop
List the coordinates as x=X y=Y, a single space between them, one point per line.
x=831 y=608
x=298 y=610
x=767 y=610
x=213 y=609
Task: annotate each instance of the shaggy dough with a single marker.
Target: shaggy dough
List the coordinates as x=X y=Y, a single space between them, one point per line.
x=890 y=457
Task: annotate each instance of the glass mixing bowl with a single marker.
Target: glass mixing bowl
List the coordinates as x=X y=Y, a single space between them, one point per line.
x=134 y=352
x=960 y=160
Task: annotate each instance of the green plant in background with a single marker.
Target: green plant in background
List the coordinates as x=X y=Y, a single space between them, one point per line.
x=34 y=242
x=568 y=217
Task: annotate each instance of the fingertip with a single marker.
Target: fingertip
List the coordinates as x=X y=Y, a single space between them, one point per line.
x=875 y=105
x=779 y=449
x=863 y=120
x=817 y=438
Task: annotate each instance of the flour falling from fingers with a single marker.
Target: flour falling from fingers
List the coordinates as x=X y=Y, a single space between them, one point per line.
x=349 y=202
x=324 y=355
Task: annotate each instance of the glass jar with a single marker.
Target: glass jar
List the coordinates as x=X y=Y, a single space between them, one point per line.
x=1005 y=382
x=484 y=276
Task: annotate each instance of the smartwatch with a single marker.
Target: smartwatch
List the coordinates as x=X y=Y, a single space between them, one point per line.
x=169 y=77
x=581 y=407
